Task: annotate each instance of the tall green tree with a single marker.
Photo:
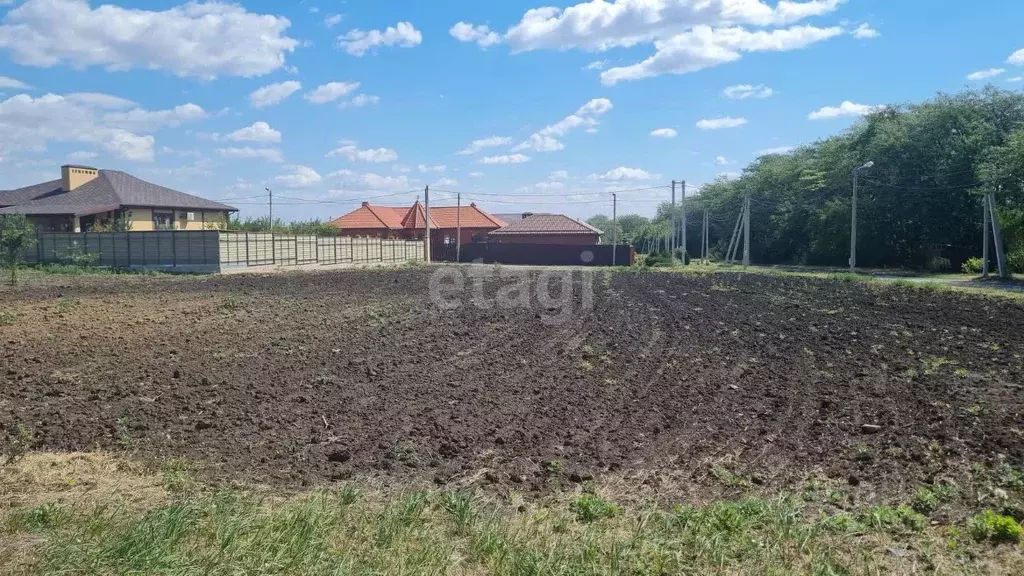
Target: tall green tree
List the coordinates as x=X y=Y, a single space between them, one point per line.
x=16 y=236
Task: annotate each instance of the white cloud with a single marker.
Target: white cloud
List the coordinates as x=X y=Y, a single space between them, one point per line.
x=268 y=154
x=195 y=39
x=140 y=120
x=354 y=154
x=446 y=182
x=984 y=74
x=29 y=124
x=1017 y=58
x=558 y=175
x=300 y=177
x=423 y=168
x=664 y=133
x=330 y=92
x=777 y=150
x=350 y=181
x=722 y=161
x=482 y=35
x=705 y=47
x=7 y=82
x=82 y=156
x=602 y=24
x=333 y=20
x=847 y=108
x=482 y=143
x=623 y=173
x=272 y=94
x=719 y=123
x=359 y=42
x=257 y=132
x=596 y=65
x=1015 y=79
x=744 y=91
x=360 y=100
x=505 y=159
x=865 y=32
x=476 y=174
x=546 y=140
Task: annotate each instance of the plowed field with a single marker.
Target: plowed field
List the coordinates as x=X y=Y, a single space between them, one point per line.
x=692 y=380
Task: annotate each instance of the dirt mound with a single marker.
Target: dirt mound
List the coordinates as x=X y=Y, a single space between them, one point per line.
x=301 y=379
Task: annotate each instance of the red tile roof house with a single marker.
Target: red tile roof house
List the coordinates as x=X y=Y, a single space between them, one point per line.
x=546 y=229
x=410 y=223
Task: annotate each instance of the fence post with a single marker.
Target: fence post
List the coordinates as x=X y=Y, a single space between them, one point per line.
x=128 y=238
x=246 y=249
x=174 y=249
x=39 y=247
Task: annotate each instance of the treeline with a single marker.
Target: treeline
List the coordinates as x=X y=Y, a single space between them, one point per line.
x=918 y=206
x=314 y=227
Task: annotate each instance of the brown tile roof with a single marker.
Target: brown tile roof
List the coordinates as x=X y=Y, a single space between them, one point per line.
x=369 y=217
x=546 y=224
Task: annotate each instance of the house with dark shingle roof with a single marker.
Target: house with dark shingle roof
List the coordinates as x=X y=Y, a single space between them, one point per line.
x=86 y=197
x=546 y=229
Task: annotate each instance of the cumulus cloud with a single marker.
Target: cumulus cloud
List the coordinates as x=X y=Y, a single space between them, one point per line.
x=7 y=82
x=82 y=156
x=776 y=150
x=705 y=47
x=595 y=65
x=482 y=143
x=424 y=169
x=623 y=173
x=722 y=161
x=273 y=94
x=476 y=174
x=1017 y=58
x=29 y=124
x=333 y=20
x=268 y=154
x=299 y=177
x=865 y=32
x=203 y=40
x=847 y=108
x=359 y=42
x=664 y=133
x=344 y=181
x=360 y=100
x=505 y=159
x=744 y=91
x=354 y=154
x=257 y=132
x=546 y=140
x=985 y=74
x=719 y=123
x=482 y=35
x=331 y=91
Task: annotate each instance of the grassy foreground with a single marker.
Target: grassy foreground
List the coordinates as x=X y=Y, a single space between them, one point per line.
x=96 y=514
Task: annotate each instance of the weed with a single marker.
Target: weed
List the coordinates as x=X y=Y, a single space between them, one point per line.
x=961 y=373
x=554 y=467
x=460 y=505
x=973 y=410
x=1009 y=477
x=7 y=318
x=586 y=365
x=19 y=441
x=994 y=527
x=863 y=453
x=124 y=434
x=893 y=520
x=231 y=302
x=587 y=351
x=925 y=501
x=66 y=305
x=591 y=508
x=39 y=519
x=932 y=364
x=348 y=495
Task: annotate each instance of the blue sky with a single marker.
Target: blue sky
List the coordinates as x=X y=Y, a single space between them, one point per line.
x=332 y=102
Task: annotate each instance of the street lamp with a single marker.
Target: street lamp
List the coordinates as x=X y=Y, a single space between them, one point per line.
x=853 y=217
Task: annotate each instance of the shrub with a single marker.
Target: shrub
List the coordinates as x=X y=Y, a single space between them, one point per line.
x=939 y=264
x=16 y=236
x=972 y=266
x=991 y=526
x=1015 y=261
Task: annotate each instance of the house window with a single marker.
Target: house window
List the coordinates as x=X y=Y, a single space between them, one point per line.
x=163 y=220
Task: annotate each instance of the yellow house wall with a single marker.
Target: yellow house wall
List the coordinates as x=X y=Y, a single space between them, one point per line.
x=142 y=219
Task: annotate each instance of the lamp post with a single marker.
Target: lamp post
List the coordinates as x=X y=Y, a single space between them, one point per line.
x=853 y=217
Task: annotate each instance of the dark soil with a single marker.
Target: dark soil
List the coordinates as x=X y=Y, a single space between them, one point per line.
x=700 y=380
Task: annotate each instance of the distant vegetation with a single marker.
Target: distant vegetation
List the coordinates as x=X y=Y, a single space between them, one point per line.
x=919 y=206
x=302 y=227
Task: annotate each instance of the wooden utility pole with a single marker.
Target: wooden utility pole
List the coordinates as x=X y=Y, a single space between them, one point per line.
x=458 y=227
x=426 y=238
x=997 y=236
x=672 y=225
x=682 y=224
x=615 y=227
x=734 y=239
x=984 y=226
x=746 y=232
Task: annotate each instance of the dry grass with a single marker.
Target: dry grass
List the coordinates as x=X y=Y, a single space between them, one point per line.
x=97 y=514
